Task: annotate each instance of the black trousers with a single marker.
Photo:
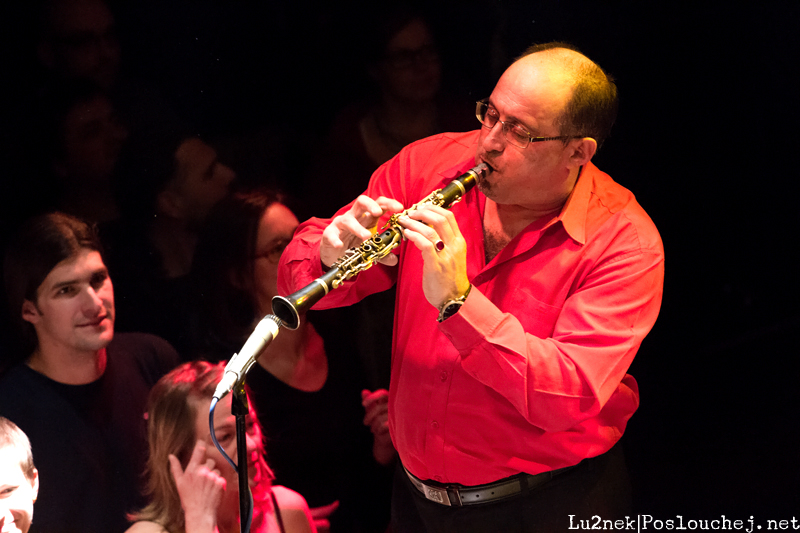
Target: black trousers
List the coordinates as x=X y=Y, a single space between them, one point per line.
x=597 y=486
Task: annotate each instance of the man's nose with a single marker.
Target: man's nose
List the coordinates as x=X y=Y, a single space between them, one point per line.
x=494 y=140
x=93 y=303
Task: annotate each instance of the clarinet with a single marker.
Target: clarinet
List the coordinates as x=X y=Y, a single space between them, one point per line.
x=359 y=258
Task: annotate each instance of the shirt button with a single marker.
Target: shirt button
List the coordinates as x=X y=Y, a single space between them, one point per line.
x=435 y=424
x=443 y=375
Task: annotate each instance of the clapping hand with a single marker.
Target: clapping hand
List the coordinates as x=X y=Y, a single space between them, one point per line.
x=320 y=515
x=376 y=406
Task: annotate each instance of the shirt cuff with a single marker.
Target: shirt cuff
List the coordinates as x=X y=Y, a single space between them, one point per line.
x=477 y=319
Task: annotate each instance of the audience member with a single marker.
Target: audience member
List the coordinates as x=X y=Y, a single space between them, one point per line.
x=192 y=488
x=406 y=103
x=64 y=41
x=519 y=310
x=80 y=391
x=79 y=138
x=77 y=40
x=19 y=479
x=307 y=384
x=168 y=182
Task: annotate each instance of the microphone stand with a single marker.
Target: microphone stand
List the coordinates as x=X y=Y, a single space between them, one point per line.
x=240 y=410
x=233 y=381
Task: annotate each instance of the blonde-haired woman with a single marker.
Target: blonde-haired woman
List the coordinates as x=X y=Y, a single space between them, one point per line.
x=191 y=487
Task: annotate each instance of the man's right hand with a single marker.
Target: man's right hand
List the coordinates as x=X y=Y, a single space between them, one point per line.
x=354 y=227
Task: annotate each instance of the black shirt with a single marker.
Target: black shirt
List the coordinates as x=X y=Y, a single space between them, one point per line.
x=89 y=441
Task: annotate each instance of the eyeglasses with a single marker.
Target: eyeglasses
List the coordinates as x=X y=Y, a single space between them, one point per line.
x=405 y=59
x=512 y=132
x=273 y=254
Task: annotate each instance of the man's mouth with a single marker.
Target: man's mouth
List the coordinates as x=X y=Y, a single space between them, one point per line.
x=93 y=323
x=488 y=164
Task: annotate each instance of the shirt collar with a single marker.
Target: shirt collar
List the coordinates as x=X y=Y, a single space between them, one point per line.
x=573 y=214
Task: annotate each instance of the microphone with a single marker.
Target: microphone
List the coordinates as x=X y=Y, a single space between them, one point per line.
x=240 y=363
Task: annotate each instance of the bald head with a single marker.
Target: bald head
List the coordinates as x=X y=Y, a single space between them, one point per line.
x=587 y=95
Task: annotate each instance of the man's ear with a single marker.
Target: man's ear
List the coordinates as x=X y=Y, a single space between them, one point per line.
x=582 y=151
x=35 y=485
x=30 y=313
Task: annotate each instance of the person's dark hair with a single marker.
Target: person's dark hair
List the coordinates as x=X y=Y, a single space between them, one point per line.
x=43 y=135
x=592 y=108
x=222 y=268
x=58 y=99
x=147 y=164
x=388 y=21
x=38 y=247
x=11 y=436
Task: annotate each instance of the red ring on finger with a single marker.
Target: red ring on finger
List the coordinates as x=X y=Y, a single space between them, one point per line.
x=439 y=246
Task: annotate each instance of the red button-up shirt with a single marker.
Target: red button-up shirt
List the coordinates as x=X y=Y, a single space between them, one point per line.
x=530 y=374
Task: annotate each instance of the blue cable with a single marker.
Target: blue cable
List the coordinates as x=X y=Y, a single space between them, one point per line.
x=225 y=455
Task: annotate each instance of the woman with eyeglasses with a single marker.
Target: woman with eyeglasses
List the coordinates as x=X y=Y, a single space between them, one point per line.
x=192 y=488
x=234 y=277
x=307 y=384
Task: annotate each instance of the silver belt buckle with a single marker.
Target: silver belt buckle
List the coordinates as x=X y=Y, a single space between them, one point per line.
x=436 y=494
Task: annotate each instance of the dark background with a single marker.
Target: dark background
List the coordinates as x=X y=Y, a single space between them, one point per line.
x=706 y=138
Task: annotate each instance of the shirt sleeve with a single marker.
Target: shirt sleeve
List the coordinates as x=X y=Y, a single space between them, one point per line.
x=405 y=178
x=300 y=263
x=559 y=381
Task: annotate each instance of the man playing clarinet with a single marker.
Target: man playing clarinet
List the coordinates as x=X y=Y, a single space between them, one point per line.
x=518 y=312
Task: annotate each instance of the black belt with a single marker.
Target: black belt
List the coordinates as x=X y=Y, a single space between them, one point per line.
x=458 y=495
